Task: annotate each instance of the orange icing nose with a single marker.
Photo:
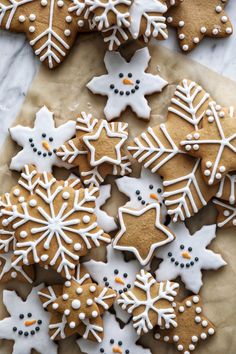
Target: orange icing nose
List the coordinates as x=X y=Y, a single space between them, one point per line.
x=117 y=350
x=186 y=255
x=119 y=281
x=46 y=145
x=30 y=323
x=154 y=196
x=127 y=81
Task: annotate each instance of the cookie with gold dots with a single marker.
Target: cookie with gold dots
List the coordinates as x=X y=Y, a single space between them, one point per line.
x=197 y=19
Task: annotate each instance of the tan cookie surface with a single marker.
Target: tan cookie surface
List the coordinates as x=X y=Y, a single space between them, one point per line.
x=226 y=214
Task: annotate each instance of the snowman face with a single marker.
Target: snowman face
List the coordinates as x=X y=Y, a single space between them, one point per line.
x=114 y=346
x=184 y=256
x=27 y=325
x=43 y=144
x=126 y=84
x=118 y=280
x=148 y=194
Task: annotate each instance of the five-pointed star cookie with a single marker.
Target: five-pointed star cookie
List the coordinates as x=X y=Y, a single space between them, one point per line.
x=226 y=214
x=51 y=26
x=127 y=84
x=214 y=143
x=105 y=142
x=192 y=327
x=199 y=18
x=142 y=232
x=41 y=142
x=187 y=255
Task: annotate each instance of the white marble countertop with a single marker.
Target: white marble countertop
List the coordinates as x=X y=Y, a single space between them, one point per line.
x=18 y=66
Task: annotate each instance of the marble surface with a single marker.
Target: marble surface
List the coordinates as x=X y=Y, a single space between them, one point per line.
x=18 y=66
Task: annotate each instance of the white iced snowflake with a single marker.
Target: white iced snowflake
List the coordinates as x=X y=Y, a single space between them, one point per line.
x=14 y=269
x=27 y=324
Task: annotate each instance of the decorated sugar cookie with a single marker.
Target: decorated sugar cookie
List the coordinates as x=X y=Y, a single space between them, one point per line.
x=127 y=84
x=114 y=273
x=41 y=142
x=142 y=232
x=55 y=226
x=116 y=340
x=214 y=143
x=52 y=38
x=226 y=214
x=192 y=328
x=227 y=188
x=150 y=303
x=197 y=19
x=27 y=324
x=187 y=255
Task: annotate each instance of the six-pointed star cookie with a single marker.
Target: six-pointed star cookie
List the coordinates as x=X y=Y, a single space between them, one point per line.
x=41 y=142
x=127 y=84
x=199 y=18
x=51 y=26
x=192 y=327
x=105 y=142
x=214 y=143
x=142 y=232
x=187 y=255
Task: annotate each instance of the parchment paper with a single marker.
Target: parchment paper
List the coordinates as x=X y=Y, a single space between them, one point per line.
x=64 y=92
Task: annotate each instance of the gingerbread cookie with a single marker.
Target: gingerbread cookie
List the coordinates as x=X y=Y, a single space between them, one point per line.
x=150 y=303
x=227 y=188
x=187 y=255
x=192 y=327
x=55 y=226
x=27 y=324
x=41 y=142
x=142 y=232
x=50 y=26
x=214 y=143
x=116 y=340
x=116 y=274
x=159 y=149
x=127 y=84
x=226 y=214
x=197 y=19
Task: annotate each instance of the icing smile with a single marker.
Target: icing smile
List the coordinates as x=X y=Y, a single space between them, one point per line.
x=29 y=326
x=185 y=260
x=119 y=280
x=128 y=85
x=45 y=149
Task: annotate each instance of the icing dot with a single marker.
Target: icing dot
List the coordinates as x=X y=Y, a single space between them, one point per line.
x=188 y=147
x=75 y=304
x=180 y=347
x=66 y=195
x=186 y=352
x=211 y=331
x=181 y=36
x=16 y=192
x=166 y=339
x=67 y=312
x=208 y=112
x=203 y=336
x=181 y=23
x=228 y=30
x=22 y=18
x=185 y=47
x=196 y=135
x=203 y=29
x=79 y=291
x=86 y=219
x=208 y=164
x=67 y=284
x=195 y=40
x=33 y=203
x=224 y=19
x=222 y=114
x=218 y=176
x=198 y=310
x=195 y=147
x=92 y=288
x=189 y=137
x=72 y=324
x=222 y=168
x=55 y=306
x=23 y=234
x=65 y=297
x=60 y=3
x=94 y=314
x=210 y=119
x=197 y=319
x=226 y=213
x=77 y=246
x=218 y=107
x=181 y=309
x=195 y=299
x=44 y=257
x=194 y=339
x=215 y=31
x=32 y=17
x=21 y=199
x=204 y=323
x=81 y=23
x=89 y=302
x=218 y=8
x=13 y=275
x=82 y=316
x=188 y=303
x=157 y=336
x=68 y=19
x=191 y=347
x=175 y=338
x=169 y=19
x=67 y=32
x=31 y=29
x=44 y=2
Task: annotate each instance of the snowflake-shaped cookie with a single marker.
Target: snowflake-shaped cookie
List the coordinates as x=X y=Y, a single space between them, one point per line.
x=115 y=273
x=75 y=153
x=226 y=214
x=187 y=255
x=51 y=38
x=158 y=149
x=116 y=340
x=77 y=306
x=197 y=19
x=41 y=142
x=142 y=232
x=127 y=84
x=55 y=226
x=150 y=303
x=192 y=327
x=214 y=143
x=27 y=324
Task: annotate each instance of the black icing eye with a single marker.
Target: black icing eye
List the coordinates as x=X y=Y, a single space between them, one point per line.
x=106 y=283
x=116 y=91
x=26 y=334
x=187 y=265
x=54 y=150
x=127 y=351
x=121 y=75
x=37 y=329
x=125 y=275
x=130 y=75
x=51 y=139
x=125 y=290
x=21 y=316
x=139 y=198
x=190 y=249
x=39 y=322
x=102 y=350
x=143 y=202
x=136 y=87
x=112 y=87
x=120 y=343
x=30 y=140
x=151 y=186
x=120 y=292
x=182 y=265
x=39 y=153
x=127 y=93
x=105 y=279
x=137 y=81
x=116 y=271
x=14 y=329
x=172 y=259
x=128 y=286
x=181 y=247
x=29 y=315
x=176 y=263
x=121 y=93
x=169 y=254
x=196 y=259
x=44 y=135
x=137 y=191
x=32 y=333
x=159 y=190
x=50 y=153
x=112 y=341
x=20 y=333
x=192 y=263
x=133 y=90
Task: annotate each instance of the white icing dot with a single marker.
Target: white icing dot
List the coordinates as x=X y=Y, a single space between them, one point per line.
x=166 y=339
x=60 y=3
x=86 y=219
x=16 y=192
x=188 y=303
x=67 y=284
x=181 y=23
x=210 y=119
x=188 y=147
x=173 y=304
x=191 y=347
x=222 y=168
x=31 y=29
x=222 y=114
x=195 y=299
x=44 y=257
x=207 y=173
x=67 y=32
x=226 y=213
x=81 y=23
x=22 y=18
x=197 y=319
x=208 y=164
x=82 y=316
x=65 y=297
x=180 y=347
x=194 y=339
x=218 y=176
x=55 y=306
x=203 y=29
x=181 y=36
x=211 y=331
x=186 y=352
x=72 y=324
x=175 y=338
x=23 y=234
x=21 y=199
x=169 y=19
x=92 y=288
x=44 y=2
x=185 y=47
x=196 y=135
x=218 y=8
x=195 y=40
x=203 y=336
x=77 y=246
x=68 y=19
x=66 y=195
x=189 y=137
x=94 y=314
x=33 y=203
x=89 y=302
x=204 y=323
x=75 y=304
x=208 y=112
x=79 y=291
x=67 y=312
x=228 y=30
x=157 y=336
x=32 y=17
x=215 y=31
x=198 y=310
x=218 y=107
x=13 y=275
x=224 y=19
x=195 y=147
x=181 y=309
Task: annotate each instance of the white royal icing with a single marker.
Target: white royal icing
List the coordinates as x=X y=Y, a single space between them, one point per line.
x=40 y=143
x=27 y=324
x=105 y=221
x=13 y=269
x=187 y=255
x=127 y=84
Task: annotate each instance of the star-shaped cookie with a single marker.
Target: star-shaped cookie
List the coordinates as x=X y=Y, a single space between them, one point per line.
x=197 y=19
x=214 y=143
x=51 y=26
x=192 y=327
x=142 y=232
